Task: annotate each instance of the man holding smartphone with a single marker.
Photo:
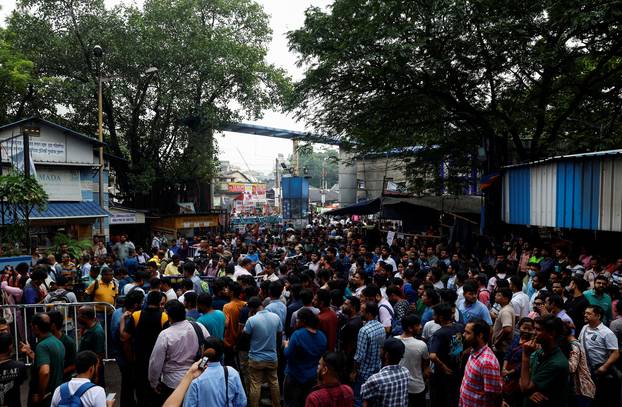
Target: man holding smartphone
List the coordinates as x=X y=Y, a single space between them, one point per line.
x=81 y=387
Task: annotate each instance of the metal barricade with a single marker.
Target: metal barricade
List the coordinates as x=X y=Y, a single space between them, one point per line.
x=23 y=312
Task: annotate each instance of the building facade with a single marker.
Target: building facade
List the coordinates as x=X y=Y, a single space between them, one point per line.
x=66 y=164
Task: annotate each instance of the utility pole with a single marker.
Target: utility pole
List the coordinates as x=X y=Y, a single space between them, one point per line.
x=26 y=151
x=98 y=52
x=323 y=184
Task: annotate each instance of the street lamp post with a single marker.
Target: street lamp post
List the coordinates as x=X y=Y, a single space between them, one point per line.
x=98 y=53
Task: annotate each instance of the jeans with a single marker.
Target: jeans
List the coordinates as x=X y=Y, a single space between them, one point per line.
x=260 y=372
x=358 y=383
x=295 y=393
x=416 y=399
x=444 y=389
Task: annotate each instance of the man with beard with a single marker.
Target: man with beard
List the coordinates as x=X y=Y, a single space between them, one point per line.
x=481 y=383
x=544 y=371
x=598 y=296
x=330 y=392
x=350 y=330
x=577 y=303
x=446 y=346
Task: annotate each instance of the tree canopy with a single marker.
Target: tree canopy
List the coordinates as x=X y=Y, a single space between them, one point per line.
x=211 y=70
x=516 y=80
x=315 y=162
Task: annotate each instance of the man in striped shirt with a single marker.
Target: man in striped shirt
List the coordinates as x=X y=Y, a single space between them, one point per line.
x=481 y=383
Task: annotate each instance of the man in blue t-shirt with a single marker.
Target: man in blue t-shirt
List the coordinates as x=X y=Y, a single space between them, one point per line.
x=472 y=308
x=265 y=329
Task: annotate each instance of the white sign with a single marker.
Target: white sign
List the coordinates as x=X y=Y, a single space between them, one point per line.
x=40 y=150
x=122 y=218
x=60 y=184
x=390 y=237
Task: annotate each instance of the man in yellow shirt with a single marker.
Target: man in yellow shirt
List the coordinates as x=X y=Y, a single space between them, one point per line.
x=172 y=269
x=104 y=290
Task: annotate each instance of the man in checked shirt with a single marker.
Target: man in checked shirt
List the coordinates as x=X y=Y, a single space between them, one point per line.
x=367 y=359
x=481 y=383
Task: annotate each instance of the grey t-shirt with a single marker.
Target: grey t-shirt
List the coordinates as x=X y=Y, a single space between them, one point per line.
x=616 y=328
x=598 y=343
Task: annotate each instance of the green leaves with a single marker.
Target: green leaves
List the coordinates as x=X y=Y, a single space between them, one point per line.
x=452 y=76
x=211 y=70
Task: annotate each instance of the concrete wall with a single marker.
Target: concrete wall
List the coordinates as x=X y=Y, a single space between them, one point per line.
x=373 y=172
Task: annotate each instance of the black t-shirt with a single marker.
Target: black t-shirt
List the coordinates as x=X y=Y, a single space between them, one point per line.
x=348 y=336
x=575 y=308
x=447 y=343
x=12 y=375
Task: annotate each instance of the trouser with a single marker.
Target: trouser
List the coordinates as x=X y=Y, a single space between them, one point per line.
x=127 y=385
x=444 y=390
x=416 y=399
x=145 y=396
x=607 y=389
x=165 y=392
x=295 y=393
x=356 y=389
x=243 y=360
x=581 y=401
x=260 y=372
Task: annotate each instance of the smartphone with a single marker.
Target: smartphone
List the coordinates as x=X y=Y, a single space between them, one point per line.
x=203 y=363
x=111 y=396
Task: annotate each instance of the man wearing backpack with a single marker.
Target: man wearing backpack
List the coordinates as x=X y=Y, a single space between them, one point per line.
x=80 y=391
x=61 y=294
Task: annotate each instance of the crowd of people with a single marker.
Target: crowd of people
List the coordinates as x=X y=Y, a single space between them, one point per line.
x=330 y=315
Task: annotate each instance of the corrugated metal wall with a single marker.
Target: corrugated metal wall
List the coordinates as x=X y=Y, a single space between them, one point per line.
x=611 y=195
x=542 y=198
x=519 y=196
x=575 y=194
x=578 y=194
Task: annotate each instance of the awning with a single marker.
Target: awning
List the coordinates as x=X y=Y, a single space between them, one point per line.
x=70 y=210
x=359 y=208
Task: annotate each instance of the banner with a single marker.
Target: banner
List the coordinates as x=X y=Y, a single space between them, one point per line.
x=251 y=220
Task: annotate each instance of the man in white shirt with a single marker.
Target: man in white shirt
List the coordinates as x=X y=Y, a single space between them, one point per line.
x=416 y=359
x=243 y=269
x=90 y=394
x=520 y=300
x=602 y=353
x=167 y=288
x=139 y=281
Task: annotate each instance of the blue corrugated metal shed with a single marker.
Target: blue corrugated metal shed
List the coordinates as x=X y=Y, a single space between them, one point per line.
x=579 y=191
x=66 y=210
x=57 y=210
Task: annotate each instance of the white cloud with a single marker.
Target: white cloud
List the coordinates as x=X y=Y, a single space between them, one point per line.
x=259 y=152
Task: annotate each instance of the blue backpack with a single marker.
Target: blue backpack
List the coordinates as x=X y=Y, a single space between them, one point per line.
x=73 y=400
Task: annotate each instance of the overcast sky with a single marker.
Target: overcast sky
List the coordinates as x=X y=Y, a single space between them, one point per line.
x=259 y=152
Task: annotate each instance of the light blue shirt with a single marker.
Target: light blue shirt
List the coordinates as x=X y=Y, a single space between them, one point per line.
x=280 y=309
x=208 y=389
x=263 y=327
x=475 y=311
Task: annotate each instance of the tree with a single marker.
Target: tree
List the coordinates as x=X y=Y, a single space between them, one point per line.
x=317 y=161
x=20 y=195
x=15 y=76
x=211 y=70
x=521 y=80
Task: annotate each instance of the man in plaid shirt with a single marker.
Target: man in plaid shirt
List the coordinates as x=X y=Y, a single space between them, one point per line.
x=481 y=383
x=388 y=387
x=369 y=342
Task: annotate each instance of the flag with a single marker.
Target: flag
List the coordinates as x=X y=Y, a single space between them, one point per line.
x=17 y=160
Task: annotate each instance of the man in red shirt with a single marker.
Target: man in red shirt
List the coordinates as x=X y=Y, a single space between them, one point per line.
x=330 y=392
x=481 y=383
x=329 y=322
